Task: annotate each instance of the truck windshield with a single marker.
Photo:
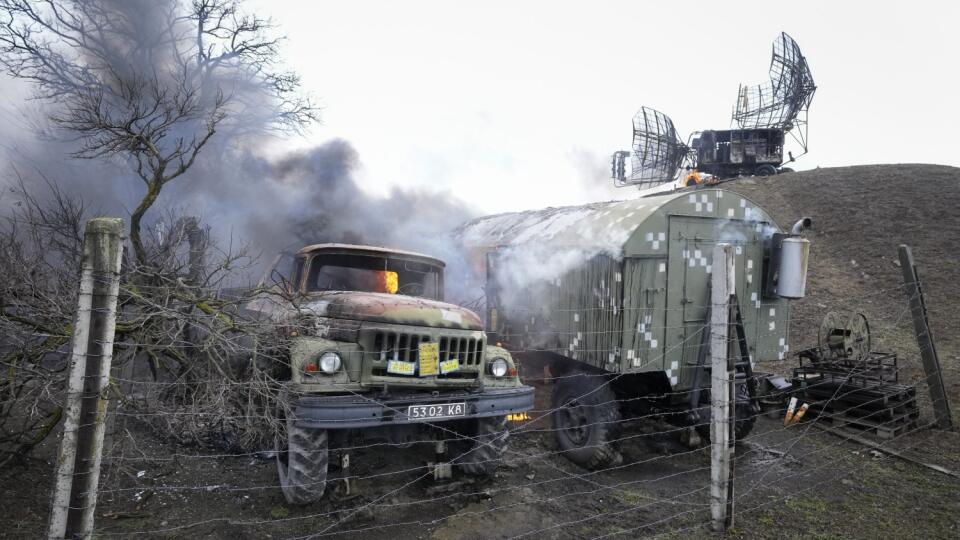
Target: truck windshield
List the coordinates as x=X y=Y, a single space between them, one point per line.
x=340 y=272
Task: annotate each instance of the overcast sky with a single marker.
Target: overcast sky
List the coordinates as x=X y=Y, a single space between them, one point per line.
x=515 y=105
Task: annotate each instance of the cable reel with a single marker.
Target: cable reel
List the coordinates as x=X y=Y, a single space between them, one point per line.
x=843 y=337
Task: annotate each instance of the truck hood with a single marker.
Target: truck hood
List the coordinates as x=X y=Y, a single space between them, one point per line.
x=391 y=308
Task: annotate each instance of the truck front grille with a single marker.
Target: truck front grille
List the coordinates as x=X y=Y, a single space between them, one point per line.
x=397 y=346
x=468 y=350
x=406 y=347
x=381 y=346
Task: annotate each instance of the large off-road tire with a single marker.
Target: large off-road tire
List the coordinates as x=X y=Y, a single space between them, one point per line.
x=486 y=453
x=302 y=460
x=746 y=415
x=586 y=420
x=765 y=170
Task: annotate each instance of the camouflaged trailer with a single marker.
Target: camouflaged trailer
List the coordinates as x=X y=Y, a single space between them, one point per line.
x=375 y=353
x=614 y=296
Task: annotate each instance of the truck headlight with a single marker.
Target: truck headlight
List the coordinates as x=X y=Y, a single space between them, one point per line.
x=330 y=362
x=498 y=367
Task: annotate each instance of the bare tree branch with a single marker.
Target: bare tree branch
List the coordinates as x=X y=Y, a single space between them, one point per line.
x=154 y=88
x=153 y=82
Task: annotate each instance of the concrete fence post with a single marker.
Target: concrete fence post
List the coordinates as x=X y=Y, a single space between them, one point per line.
x=78 y=462
x=722 y=387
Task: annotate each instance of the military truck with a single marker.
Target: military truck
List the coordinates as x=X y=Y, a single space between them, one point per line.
x=613 y=298
x=728 y=153
x=375 y=354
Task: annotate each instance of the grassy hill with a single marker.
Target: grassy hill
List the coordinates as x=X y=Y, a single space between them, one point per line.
x=860 y=216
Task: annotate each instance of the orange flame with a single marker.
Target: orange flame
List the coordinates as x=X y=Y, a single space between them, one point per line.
x=389 y=281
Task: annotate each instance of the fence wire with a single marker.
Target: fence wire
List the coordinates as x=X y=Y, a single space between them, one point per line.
x=658 y=486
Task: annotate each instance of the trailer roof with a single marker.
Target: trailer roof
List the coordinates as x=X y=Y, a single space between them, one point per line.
x=607 y=226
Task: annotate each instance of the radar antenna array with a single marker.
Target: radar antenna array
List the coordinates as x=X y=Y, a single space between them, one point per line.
x=783 y=101
x=657 y=152
x=764 y=114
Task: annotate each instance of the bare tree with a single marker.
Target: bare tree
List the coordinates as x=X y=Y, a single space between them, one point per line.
x=181 y=344
x=37 y=241
x=151 y=81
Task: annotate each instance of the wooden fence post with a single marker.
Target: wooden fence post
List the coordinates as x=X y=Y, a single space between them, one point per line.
x=722 y=386
x=928 y=352
x=78 y=462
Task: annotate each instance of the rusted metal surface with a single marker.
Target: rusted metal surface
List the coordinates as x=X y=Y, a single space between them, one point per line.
x=389 y=308
x=369 y=330
x=385 y=252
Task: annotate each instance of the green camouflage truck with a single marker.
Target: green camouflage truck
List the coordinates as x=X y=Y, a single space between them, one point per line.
x=613 y=297
x=375 y=354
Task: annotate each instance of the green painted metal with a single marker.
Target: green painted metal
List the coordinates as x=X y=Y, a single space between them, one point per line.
x=635 y=297
x=368 y=329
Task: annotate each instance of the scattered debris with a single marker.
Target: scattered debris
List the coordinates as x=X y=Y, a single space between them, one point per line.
x=449 y=487
x=125 y=515
x=876 y=447
x=849 y=384
x=791 y=407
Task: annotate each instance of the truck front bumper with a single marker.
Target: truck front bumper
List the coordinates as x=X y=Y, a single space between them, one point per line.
x=359 y=411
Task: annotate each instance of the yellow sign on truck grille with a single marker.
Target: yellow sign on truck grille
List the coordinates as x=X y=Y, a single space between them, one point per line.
x=400 y=368
x=449 y=366
x=429 y=359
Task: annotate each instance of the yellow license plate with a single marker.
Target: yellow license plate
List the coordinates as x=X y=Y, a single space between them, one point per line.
x=449 y=366
x=401 y=368
x=429 y=359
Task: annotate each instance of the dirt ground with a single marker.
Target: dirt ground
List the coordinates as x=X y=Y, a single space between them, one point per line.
x=796 y=482
x=860 y=216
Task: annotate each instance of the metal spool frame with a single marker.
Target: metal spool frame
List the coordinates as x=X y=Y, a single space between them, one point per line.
x=844 y=337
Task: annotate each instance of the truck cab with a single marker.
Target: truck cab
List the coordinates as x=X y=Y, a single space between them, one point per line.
x=375 y=353
x=382 y=313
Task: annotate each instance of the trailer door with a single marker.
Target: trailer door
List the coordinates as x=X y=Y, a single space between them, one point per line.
x=690 y=264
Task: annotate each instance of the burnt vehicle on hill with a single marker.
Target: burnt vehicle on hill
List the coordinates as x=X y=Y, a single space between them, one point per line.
x=765 y=115
x=729 y=153
x=376 y=354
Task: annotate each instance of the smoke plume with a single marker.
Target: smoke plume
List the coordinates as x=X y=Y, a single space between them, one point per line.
x=274 y=204
x=311 y=196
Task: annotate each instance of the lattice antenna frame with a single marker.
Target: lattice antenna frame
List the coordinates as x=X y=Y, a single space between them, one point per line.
x=784 y=101
x=657 y=153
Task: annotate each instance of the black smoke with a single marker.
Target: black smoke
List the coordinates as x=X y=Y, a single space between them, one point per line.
x=271 y=203
x=282 y=203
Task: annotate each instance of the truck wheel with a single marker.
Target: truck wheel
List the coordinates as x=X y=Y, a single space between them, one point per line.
x=485 y=455
x=746 y=415
x=765 y=170
x=302 y=463
x=586 y=419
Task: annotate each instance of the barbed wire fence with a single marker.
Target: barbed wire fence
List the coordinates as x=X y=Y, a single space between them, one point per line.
x=117 y=461
x=692 y=501
x=180 y=439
